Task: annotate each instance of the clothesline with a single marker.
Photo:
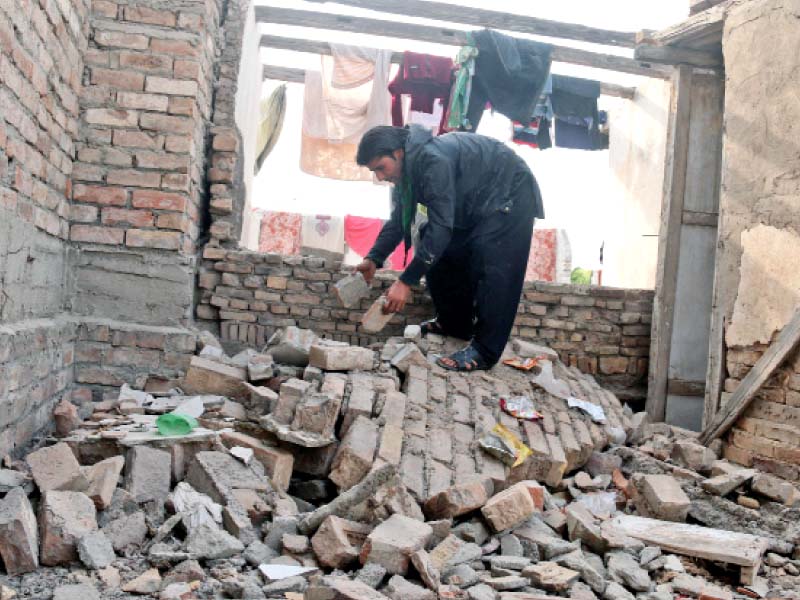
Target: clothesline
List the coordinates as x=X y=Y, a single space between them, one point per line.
x=323 y=48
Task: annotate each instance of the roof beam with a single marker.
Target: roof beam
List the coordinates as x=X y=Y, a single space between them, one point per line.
x=316 y=47
x=701 y=30
x=677 y=55
x=447 y=36
x=478 y=17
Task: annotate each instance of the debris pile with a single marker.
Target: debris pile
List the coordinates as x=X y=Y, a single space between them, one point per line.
x=316 y=470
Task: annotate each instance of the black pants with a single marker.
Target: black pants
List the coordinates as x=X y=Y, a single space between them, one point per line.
x=476 y=284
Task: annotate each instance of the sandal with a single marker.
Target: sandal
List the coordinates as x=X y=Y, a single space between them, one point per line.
x=468 y=359
x=431 y=326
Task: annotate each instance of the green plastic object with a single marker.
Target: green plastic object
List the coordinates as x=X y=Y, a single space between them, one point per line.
x=175 y=424
x=581 y=276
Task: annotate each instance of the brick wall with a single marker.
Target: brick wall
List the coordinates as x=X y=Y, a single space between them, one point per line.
x=140 y=176
x=246 y=296
x=768 y=434
x=41 y=63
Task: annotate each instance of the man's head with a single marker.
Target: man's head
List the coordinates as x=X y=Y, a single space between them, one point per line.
x=382 y=150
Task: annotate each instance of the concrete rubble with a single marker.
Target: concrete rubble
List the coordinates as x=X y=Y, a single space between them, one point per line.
x=323 y=471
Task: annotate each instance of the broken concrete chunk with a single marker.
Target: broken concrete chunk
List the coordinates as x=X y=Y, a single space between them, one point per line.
x=408 y=355
x=525 y=349
x=103 y=478
x=148 y=582
x=427 y=571
x=722 y=485
x=413 y=333
x=64 y=517
x=355 y=455
x=148 y=474
x=291 y=394
x=374 y=320
x=624 y=568
x=351 y=289
x=211 y=543
x=775 y=488
x=665 y=498
x=291 y=346
x=127 y=531
x=56 y=468
x=278 y=464
x=341 y=588
x=317 y=415
x=206 y=376
x=78 y=591
x=233 y=410
x=693 y=456
x=392 y=543
x=509 y=508
x=582 y=525
x=338 y=542
x=550 y=576
x=331 y=356
x=19 y=539
x=66 y=417
x=260 y=367
x=460 y=499
x=399 y=588
x=95 y=550
x=217 y=474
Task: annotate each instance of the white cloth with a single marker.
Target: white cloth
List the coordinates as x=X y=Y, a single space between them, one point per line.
x=349 y=95
x=322 y=232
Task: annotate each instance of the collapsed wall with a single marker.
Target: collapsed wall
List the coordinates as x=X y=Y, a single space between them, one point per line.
x=246 y=296
x=757 y=289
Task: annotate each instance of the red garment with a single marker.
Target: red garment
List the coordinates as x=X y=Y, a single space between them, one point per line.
x=360 y=234
x=280 y=233
x=425 y=78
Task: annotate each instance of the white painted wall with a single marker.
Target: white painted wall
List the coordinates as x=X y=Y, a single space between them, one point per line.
x=636 y=158
x=248 y=96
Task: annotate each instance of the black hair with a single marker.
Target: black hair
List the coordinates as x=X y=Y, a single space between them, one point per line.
x=380 y=141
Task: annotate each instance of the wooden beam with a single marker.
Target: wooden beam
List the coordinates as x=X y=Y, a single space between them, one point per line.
x=479 y=17
x=316 y=47
x=674 y=55
x=763 y=369
x=669 y=241
x=289 y=74
x=447 y=36
x=681 y=387
x=698 y=31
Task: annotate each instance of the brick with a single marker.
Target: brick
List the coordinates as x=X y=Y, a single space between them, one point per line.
x=173 y=47
x=174 y=221
x=217 y=474
x=170 y=87
x=392 y=543
x=146 y=62
x=613 y=365
x=693 y=456
x=152 y=102
x=340 y=357
x=206 y=376
x=64 y=518
x=134 y=139
x=120 y=80
x=103 y=478
x=116 y=39
x=186 y=69
x=374 y=320
x=132 y=218
x=134 y=178
x=338 y=542
x=56 y=468
x=550 y=576
x=278 y=464
x=148 y=474
x=459 y=499
x=166 y=123
x=355 y=455
x=81 y=213
x=143 y=14
x=111 y=117
x=161 y=160
x=317 y=414
x=164 y=240
x=665 y=498
x=351 y=289
x=775 y=489
x=159 y=200
x=19 y=539
x=179 y=105
x=509 y=508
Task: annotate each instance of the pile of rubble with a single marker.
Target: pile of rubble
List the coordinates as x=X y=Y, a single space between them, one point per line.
x=317 y=470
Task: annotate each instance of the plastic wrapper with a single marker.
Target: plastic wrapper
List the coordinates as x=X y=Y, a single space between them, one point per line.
x=520 y=407
x=174 y=423
x=593 y=410
x=505 y=446
x=523 y=364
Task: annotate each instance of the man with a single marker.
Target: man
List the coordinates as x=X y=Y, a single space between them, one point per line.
x=481 y=201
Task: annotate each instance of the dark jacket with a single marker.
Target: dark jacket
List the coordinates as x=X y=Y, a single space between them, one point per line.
x=460 y=178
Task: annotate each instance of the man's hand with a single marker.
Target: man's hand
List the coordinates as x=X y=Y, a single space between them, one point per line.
x=396 y=297
x=367 y=268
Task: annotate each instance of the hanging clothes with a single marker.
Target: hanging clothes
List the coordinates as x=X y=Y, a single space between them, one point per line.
x=510 y=73
x=272 y=111
x=343 y=100
x=280 y=233
x=535 y=133
x=577 y=117
x=322 y=234
x=456 y=117
x=360 y=234
x=426 y=79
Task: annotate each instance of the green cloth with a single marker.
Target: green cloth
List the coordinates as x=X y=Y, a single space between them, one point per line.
x=459 y=97
x=175 y=424
x=581 y=276
x=272 y=111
